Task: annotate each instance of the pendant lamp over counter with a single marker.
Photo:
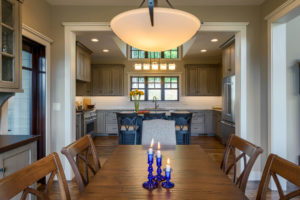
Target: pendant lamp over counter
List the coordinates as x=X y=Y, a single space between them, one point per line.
x=166 y=28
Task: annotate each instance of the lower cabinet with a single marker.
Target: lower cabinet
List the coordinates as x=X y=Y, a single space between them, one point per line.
x=217 y=117
x=202 y=122
x=16 y=159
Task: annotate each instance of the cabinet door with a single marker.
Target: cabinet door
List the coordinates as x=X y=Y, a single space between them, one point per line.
x=79 y=64
x=213 y=81
x=10 y=46
x=202 y=81
x=232 y=59
x=101 y=122
x=101 y=81
x=117 y=81
x=226 y=62
x=209 y=129
x=191 y=81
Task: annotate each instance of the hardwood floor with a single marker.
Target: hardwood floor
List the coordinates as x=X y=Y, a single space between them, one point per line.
x=106 y=145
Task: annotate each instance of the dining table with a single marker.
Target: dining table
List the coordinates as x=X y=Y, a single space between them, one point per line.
x=194 y=173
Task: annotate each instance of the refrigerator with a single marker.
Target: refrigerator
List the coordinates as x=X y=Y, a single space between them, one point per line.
x=228 y=112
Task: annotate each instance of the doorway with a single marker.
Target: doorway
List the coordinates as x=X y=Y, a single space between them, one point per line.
x=27 y=110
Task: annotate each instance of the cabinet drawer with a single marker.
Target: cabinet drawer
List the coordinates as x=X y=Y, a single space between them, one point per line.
x=111 y=118
x=111 y=128
x=197 y=128
x=198 y=118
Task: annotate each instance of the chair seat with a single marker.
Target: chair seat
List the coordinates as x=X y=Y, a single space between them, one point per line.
x=182 y=128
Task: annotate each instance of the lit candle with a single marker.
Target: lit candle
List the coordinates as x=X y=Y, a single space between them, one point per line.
x=158 y=153
x=151 y=145
x=168 y=166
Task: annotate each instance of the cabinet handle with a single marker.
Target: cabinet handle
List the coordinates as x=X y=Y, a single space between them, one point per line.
x=2 y=170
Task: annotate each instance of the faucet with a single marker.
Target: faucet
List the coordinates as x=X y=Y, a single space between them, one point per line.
x=155 y=99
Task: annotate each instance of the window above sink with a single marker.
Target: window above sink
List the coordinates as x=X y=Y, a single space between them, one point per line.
x=164 y=88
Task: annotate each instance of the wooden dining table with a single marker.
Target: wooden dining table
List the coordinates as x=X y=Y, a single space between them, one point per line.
x=195 y=174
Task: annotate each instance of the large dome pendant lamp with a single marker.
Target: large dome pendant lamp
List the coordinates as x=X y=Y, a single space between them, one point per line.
x=167 y=28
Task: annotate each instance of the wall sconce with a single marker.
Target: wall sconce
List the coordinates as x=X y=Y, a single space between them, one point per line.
x=154 y=66
x=163 y=66
x=146 y=66
x=138 y=66
x=172 y=66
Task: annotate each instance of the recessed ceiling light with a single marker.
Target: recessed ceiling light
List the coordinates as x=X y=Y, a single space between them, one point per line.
x=105 y=50
x=214 y=40
x=95 y=40
x=203 y=51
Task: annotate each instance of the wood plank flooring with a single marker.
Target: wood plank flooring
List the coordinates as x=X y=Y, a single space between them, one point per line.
x=106 y=145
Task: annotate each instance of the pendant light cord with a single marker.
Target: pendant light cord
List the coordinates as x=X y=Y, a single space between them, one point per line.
x=155 y=3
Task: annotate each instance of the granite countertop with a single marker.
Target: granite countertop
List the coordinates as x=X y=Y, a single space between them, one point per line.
x=9 y=142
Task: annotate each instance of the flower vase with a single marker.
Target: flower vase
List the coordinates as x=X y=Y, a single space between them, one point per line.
x=136 y=106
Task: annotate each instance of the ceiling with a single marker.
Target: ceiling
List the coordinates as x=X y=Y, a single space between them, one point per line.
x=117 y=49
x=107 y=40
x=161 y=2
x=203 y=41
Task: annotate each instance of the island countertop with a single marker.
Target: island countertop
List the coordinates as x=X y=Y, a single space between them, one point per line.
x=9 y=142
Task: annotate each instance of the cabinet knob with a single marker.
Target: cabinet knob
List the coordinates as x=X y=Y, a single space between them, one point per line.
x=2 y=170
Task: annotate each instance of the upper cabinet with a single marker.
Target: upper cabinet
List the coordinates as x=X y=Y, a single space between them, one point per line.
x=228 y=59
x=108 y=80
x=10 y=46
x=83 y=63
x=203 y=80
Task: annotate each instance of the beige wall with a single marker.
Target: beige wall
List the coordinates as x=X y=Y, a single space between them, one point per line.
x=37 y=15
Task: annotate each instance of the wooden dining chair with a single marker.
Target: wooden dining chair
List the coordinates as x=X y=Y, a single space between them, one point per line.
x=279 y=166
x=82 y=151
x=22 y=180
x=246 y=149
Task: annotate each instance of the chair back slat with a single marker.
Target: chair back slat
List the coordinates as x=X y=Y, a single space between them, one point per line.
x=278 y=166
x=22 y=180
x=82 y=151
x=245 y=148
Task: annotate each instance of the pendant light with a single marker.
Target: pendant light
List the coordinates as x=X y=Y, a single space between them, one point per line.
x=166 y=28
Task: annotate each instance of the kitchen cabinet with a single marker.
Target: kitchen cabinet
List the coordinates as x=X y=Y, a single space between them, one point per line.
x=107 y=80
x=10 y=46
x=217 y=117
x=83 y=63
x=203 y=80
x=79 y=125
x=228 y=60
x=17 y=152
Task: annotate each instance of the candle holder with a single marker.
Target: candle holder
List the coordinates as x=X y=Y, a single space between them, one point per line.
x=159 y=177
x=168 y=184
x=150 y=184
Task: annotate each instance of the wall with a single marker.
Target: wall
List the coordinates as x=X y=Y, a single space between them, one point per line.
x=37 y=15
x=249 y=14
x=292 y=92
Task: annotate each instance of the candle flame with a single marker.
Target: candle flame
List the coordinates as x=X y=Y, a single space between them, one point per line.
x=168 y=161
x=158 y=145
x=152 y=142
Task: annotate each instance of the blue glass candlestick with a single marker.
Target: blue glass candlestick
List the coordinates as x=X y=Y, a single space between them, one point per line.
x=168 y=184
x=150 y=184
x=159 y=177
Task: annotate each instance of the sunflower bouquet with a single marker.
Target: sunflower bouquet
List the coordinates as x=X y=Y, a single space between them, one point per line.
x=136 y=96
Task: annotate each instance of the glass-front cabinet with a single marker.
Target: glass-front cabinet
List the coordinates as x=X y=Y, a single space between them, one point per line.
x=10 y=46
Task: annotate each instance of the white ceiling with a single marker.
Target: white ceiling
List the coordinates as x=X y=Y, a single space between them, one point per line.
x=203 y=41
x=160 y=2
x=106 y=41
